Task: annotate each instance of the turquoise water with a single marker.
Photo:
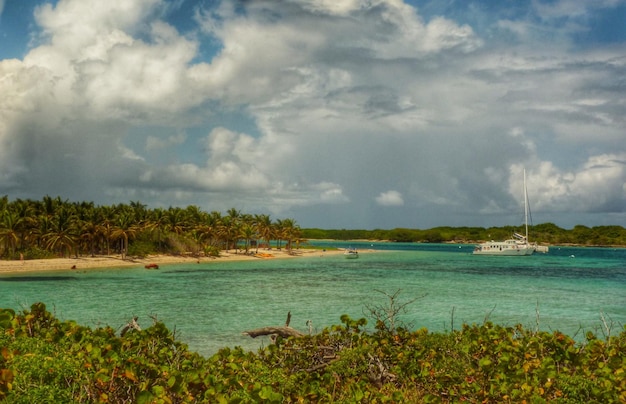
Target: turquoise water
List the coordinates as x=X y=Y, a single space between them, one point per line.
x=210 y=305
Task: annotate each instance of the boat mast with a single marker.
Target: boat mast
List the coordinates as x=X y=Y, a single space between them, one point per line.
x=525 y=206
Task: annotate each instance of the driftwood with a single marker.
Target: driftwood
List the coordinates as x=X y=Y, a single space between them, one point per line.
x=284 y=331
x=132 y=325
x=281 y=331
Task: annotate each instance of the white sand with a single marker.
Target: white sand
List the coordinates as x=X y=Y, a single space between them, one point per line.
x=115 y=261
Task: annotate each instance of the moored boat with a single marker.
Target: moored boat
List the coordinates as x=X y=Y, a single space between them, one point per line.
x=517 y=245
x=513 y=246
x=351 y=253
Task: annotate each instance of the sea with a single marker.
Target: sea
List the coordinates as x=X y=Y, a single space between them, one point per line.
x=440 y=287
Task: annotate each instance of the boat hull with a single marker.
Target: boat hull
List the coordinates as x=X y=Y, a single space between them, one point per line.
x=509 y=252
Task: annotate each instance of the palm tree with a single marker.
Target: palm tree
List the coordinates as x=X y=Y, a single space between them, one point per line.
x=107 y=216
x=91 y=232
x=63 y=234
x=228 y=231
x=42 y=227
x=289 y=231
x=265 y=228
x=125 y=229
x=193 y=215
x=139 y=211
x=9 y=230
x=25 y=212
x=157 y=224
x=211 y=228
x=175 y=220
x=247 y=232
x=50 y=206
x=234 y=214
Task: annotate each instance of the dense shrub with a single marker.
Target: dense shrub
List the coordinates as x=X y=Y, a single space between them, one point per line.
x=45 y=360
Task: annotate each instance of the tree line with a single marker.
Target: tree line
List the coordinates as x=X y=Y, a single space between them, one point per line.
x=53 y=227
x=546 y=233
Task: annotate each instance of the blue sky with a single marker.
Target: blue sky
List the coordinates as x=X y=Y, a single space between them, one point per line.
x=336 y=113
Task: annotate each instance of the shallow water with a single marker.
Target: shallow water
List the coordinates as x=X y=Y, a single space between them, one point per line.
x=210 y=304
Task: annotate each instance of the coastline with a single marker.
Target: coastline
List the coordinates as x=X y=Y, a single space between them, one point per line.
x=115 y=261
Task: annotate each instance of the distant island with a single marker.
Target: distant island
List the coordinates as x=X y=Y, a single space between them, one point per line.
x=546 y=234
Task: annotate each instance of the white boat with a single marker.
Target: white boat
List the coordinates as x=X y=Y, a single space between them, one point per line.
x=351 y=253
x=517 y=245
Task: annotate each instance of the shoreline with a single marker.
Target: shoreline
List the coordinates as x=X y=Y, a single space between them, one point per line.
x=11 y=267
x=115 y=261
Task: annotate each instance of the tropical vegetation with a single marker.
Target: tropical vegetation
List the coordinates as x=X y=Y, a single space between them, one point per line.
x=45 y=360
x=56 y=228
x=53 y=227
x=546 y=233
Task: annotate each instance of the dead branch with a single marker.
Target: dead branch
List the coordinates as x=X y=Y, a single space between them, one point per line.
x=132 y=325
x=327 y=361
x=378 y=373
x=284 y=332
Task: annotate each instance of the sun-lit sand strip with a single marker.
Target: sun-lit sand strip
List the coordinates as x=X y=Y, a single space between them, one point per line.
x=82 y=263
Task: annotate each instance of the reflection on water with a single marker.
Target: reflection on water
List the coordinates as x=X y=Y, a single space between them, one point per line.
x=37 y=278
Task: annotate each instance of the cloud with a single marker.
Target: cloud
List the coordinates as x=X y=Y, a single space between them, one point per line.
x=571 y=8
x=390 y=198
x=330 y=193
x=310 y=108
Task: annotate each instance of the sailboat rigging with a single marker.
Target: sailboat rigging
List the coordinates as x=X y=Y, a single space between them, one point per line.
x=518 y=245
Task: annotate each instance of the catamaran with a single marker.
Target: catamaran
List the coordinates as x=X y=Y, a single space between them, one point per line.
x=517 y=245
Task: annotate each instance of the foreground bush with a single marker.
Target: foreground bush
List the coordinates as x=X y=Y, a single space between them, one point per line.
x=45 y=360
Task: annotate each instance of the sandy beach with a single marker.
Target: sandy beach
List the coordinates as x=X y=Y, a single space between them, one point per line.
x=115 y=261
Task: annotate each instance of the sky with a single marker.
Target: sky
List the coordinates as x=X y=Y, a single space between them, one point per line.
x=355 y=114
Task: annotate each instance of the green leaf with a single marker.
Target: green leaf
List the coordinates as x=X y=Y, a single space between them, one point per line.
x=145 y=397
x=485 y=363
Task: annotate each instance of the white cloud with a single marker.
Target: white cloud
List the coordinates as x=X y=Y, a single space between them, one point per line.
x=390 y=198
x=311 y=105
x=330 y=193
x=571 y=8
x=595 y=186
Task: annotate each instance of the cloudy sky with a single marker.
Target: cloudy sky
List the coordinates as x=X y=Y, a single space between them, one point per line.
x=336 y=113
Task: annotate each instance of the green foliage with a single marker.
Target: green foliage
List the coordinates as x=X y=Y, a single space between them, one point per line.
x=34 y=253
x=543 y=233
x=53 y=227
x=141 y=248
x=45 y=360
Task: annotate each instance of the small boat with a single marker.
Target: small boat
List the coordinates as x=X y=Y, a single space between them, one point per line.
x=152 y=266
x=517 y=245
x=351 y=253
